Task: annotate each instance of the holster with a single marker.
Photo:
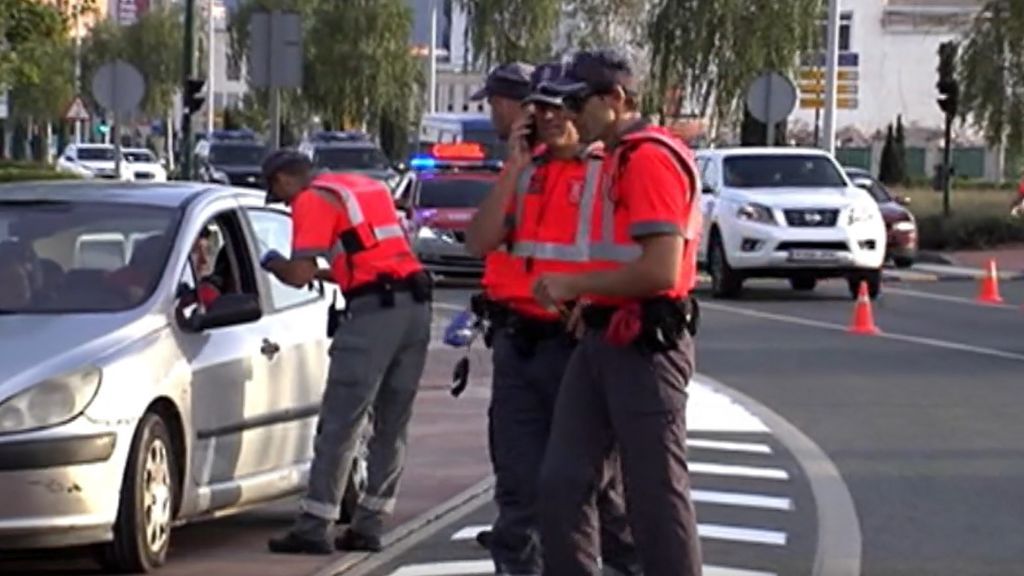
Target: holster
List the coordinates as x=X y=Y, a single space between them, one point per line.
x=334 y=316
x=421 y=285
x=663 y=321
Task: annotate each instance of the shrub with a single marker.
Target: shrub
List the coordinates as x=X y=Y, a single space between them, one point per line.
x=16 y=171
x=969 y=231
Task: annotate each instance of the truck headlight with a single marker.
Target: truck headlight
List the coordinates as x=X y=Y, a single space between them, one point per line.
x=50 y=402
x=861 y=213
x=754 y=212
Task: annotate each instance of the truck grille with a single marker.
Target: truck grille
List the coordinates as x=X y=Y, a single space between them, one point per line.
x=811 y=218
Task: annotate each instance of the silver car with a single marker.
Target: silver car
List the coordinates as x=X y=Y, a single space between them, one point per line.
x=150 y=372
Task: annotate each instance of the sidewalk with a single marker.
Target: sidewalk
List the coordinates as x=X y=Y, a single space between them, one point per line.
x=1010 y=258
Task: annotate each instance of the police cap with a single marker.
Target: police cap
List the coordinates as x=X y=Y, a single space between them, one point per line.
x=597 y=72
x=286 y=159
x=510 y=80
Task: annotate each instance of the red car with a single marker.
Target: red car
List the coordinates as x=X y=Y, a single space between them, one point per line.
x=902 y=240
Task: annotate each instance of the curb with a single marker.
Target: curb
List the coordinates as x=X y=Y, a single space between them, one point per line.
x=931 y=257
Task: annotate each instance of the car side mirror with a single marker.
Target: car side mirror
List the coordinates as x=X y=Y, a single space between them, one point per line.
x=228 y=310
x=707 y=189
x=864 y=183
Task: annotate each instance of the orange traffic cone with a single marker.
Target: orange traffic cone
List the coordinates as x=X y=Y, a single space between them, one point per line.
x=863 y=319
x=988 y=292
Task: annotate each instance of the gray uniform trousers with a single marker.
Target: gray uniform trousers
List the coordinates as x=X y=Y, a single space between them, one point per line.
x=525 y=388
x=377 y=358
x=636 y=400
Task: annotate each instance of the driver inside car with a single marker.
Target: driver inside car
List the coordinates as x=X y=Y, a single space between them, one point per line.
x=15 y=281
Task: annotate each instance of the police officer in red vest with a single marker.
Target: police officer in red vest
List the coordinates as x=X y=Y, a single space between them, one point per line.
x=378 y=351
x=537 y=198
x=625 y=385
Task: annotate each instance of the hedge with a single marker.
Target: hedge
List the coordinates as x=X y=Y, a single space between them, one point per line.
x=968 y=231
x=12 y=171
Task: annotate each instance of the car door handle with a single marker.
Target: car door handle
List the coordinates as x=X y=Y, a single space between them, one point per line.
x=269 y=349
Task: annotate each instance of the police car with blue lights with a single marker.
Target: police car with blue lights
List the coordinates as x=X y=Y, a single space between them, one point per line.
x=450 y=182
x=351 y=151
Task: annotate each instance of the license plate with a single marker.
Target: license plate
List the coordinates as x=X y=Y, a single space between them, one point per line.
x=812 y=255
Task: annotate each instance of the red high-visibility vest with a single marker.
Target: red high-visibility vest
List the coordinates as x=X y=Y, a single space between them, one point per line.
x=370 y=240
x=544 y=211
x=600 y=237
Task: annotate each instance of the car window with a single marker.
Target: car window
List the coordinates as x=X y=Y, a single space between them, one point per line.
x=237 y=154
x=95 y=153
x=453 y=192
x=351 y=159
x=140 y=156
x=274 y=232
x=79 y=257
x=781 y=171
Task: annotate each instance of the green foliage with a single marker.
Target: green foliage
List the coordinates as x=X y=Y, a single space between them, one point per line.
x=508 y=30
x=969 y=231
x=900 y=145
x=888 y=165
x=29 y=171
x=29 y=30
x=991 y=73
x=714 y=48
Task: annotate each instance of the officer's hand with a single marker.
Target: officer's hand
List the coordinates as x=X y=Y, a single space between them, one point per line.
x=551 y=290
x=519 y=152
x=574 y=324
x=269 y=257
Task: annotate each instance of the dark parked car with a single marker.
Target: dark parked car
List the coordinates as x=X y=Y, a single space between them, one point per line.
x=230 y=157
x=900 y=223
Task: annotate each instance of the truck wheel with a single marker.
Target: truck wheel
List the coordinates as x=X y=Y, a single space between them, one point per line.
x=803 y=283
x=903 y=262
x=725 y=282
x=872 y=277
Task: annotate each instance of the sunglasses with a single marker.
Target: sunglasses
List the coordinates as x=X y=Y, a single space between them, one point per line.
x=575 y=102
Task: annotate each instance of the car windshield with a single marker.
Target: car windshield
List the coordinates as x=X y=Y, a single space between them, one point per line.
x=139 y=156
x=80 y=257
x=781 y=171
x=458 y=192
x=351 y=159
x=237 y=154
x=95 y=153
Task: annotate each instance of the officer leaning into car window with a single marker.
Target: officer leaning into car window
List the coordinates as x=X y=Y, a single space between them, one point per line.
x=540 y=197
x=625 y=385
x=377 y=353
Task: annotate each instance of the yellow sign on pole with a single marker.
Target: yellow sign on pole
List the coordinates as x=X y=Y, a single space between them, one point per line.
x=845 y=103
x=819 y=74
x=813 y=88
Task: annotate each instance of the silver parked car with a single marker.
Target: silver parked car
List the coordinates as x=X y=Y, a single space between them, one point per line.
x=150 y=372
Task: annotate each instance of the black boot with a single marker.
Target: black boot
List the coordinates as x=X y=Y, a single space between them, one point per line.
x=352 y=541
x=292 y=543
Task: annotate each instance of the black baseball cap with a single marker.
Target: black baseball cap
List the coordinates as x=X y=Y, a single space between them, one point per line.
x=510 y=80
x=596 y=72
x=543 y=78
x=282 y=159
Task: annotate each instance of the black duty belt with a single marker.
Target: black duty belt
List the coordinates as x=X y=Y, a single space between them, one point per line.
x=418 y=283
x=656 y=314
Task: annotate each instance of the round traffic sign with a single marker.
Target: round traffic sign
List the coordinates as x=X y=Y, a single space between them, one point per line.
x=118 y=87
x=771 y=97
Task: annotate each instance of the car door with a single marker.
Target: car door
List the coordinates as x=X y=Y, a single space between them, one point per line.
x=233 y=409
x=710 y=182
x=297 y=319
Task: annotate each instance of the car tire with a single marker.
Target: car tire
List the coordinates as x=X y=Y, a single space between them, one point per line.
x=903 y=262
x=149 y=493
x=725 y=282
x=874 y=280
x=803 y=283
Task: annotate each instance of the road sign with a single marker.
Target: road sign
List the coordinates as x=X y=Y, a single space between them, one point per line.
x=845 y=103
x=77 y=110
x=275 y=50
x=118 y=87
x=818 y=74
x=818 y=88
x=771 y=97
x=818 y=59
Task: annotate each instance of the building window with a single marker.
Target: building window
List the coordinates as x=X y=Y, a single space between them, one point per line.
x=845 y=31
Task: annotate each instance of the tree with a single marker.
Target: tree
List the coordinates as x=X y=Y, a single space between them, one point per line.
x=508 y=30
x=888 y=165
x=900 y=145
x=712 y=48
x=27 y=29
x=991 y=74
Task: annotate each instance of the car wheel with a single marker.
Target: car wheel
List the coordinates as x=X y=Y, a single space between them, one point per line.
x=803 y=283
x=725 y=282
x=903 y=261
x=142 y=533
x=874 y=280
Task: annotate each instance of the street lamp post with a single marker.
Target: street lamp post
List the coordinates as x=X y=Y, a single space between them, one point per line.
x=210 y=43
x=78 y=65
x=432 y=55
x=831 y=70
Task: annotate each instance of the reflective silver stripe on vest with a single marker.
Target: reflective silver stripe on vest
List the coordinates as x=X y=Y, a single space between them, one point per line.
x=343 y=198
x=522 y=189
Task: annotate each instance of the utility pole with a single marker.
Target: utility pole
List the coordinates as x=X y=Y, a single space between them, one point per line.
x=78 y=65
x=831 y=70
x=949 y=102
x=210 y=46
x=432 y=55
x=185 y=141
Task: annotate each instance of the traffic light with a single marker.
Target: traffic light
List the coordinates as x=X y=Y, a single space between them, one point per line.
x=194 y=99
x=949 y=88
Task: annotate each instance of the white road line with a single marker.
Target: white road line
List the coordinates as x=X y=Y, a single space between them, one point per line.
x=741 y=534
x=470 y=532
x=887 y=335
x=710 y=411
x=760 y=472
x=741 y=500
x=947 y=298
x=725 y=571
x=475 y=567
x=748 y=447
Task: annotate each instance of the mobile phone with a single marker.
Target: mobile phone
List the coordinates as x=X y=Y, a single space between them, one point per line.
x=532 y=137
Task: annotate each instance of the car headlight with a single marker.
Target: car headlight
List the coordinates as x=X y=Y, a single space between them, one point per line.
x=220 y=177
x=862 y=213
x=50 y=402
x=756 y=213
x=427 y=233
x=904 y=226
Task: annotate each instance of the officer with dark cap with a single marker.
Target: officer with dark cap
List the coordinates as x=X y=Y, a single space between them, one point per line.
x=377 y=353
x=505 y=88
x=625 y=385
x=531 y=346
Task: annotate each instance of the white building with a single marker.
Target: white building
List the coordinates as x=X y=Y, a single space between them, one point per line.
x=896 y=43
